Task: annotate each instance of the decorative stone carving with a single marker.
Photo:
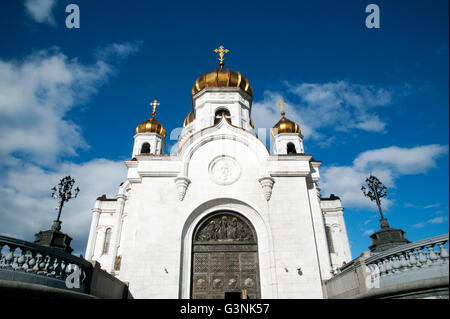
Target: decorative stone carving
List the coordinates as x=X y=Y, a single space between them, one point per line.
x=224 y=228
x=267 y=185
x=224 y=170
x=182 y=185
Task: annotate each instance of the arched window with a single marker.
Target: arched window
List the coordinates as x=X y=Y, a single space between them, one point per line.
x=145 y=149
x=107 y=241
x=291 y=148
x=329 y=239
x=220 y=113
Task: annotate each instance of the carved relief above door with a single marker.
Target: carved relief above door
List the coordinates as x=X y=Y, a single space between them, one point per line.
x=225 y=257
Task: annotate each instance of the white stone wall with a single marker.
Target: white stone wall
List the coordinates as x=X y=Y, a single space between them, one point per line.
x=334 y=218
x=155 y=140
x=102 y=219
x=281 y=140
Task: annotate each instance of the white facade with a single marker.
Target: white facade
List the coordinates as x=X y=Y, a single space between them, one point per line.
x=222 y=167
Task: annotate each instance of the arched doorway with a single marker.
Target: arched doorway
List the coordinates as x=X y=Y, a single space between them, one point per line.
x=224 y=257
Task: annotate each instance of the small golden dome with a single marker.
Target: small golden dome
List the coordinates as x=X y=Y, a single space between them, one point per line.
x=189 y=118
x=285 y=126
x=222 y=79
x=151 y=126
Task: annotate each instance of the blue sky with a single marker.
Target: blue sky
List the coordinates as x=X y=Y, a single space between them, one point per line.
x=368 y=100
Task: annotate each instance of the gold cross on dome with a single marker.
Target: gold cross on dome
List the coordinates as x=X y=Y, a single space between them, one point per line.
x=221 y=50
x=155 y=103
x=282 y=105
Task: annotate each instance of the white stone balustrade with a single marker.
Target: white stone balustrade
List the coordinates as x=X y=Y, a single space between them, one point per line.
x=419 y=260
x=28 y=262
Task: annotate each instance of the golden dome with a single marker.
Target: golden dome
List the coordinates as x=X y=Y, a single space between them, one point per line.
x=222 y=79
x=151 y=126
x=189 y=118
x=285 y=126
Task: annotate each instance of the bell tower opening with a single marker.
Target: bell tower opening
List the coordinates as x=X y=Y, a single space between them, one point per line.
x=224 y=258
x=145 y=149
x=221 y=112
x=291 y=148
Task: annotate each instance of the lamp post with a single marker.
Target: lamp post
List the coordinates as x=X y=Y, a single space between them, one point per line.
x=53 y=237
x=63 y=194
x=376 y=191
x=387 y=237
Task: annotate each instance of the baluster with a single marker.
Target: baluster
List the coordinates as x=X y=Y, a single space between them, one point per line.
x=15 y=264
x=46 y=260
x=412 y=259
x=31 y=261
x=58 y=268
x=9 y=258
x=49 y=267
x=23 y=260
x=432 y=258
x=382 y=268
x=443 y=252
x=40 y=264
x=387 y=264
x=403 y=262
x=63 y=272
x=422 y=257
x=396 y=264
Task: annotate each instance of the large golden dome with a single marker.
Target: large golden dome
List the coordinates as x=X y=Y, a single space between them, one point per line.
x=222 y=79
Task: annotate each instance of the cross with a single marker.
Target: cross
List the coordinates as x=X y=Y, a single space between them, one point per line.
x=221 y=50
x=155 y=103
x=282 y=105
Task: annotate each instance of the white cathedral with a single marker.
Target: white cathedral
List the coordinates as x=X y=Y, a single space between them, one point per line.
x=224 y=216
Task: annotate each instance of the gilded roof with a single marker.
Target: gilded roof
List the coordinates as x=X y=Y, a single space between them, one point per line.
x=151 y=126
x=221 y=78
x=285 y=126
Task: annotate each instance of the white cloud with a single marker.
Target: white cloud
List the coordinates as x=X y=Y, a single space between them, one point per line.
x=266 y=113
x=35 y=96
x=368 y=232
x=341 y=106
x=41 y=10
x=386 y=163
x=432 y=221
x=117 y=51
x=414 y=160
x=432 y=206
x=26 y=203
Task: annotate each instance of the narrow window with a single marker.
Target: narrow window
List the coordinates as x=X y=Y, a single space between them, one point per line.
x=107 y=241
x=145 y=149
x=329 y=239
x=220 y=113
x=291 y=148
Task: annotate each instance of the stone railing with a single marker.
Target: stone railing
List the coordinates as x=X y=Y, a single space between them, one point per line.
x=22 y=261
x=420 y=260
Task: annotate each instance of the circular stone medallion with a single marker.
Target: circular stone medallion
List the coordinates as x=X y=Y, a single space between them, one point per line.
x=224 y=170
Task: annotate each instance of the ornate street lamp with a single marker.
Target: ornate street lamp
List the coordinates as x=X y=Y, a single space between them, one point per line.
x=387 y=237
x=63 y=194
x=376 y=191
x=54 y=237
